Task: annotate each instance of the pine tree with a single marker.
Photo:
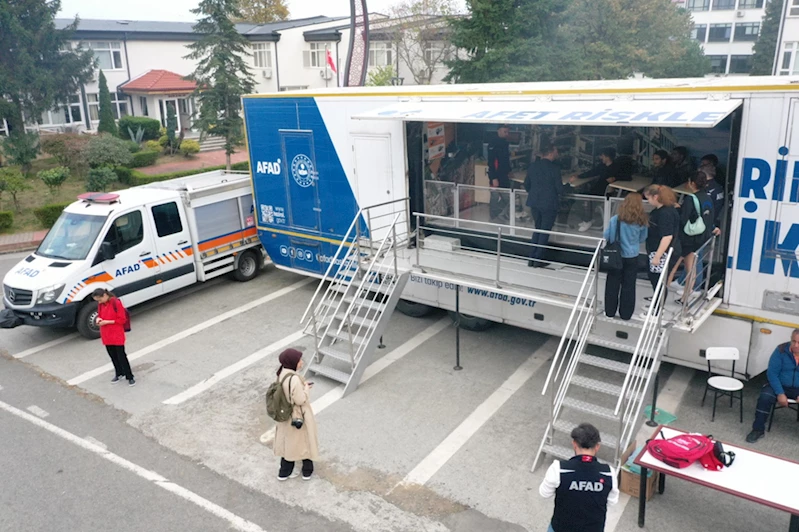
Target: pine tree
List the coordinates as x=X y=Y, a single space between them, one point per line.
x=510 y=40
x=171 y=126
x=107 y=124
x=617 y=38
x=222 y=76
x=766 y=45
x=263 y=11
x=38 y=70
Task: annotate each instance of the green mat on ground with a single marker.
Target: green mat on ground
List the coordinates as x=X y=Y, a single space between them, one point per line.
x=661 y=416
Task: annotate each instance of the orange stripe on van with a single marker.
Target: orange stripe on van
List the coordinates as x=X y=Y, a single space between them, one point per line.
x=227 y=239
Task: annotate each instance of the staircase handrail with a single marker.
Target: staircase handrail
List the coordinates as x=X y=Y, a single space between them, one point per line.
x=347 y=236
x=368 y=273
x=590 y=273
x=651 y=322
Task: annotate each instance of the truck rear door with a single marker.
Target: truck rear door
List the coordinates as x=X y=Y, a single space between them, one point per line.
x=301 y=177
x=173 y=245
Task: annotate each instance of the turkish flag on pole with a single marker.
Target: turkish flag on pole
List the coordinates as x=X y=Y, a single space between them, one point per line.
x=330 y=62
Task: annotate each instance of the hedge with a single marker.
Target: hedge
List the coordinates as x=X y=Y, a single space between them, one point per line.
x=48 y=214
x=143 y=179
x=150 y=126
x=6 y=220
x=124 y=175
x=144 y=158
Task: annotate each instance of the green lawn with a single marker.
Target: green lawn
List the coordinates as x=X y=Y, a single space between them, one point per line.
x=39 y=195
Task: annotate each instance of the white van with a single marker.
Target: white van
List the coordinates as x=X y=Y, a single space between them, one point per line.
x=140 y=243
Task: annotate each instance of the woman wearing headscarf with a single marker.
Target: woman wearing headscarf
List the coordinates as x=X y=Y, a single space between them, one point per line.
x=296 y=438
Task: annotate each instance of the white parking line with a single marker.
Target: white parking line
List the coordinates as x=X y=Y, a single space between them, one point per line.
x=192 y=330
x=434 y=461
x=232 y=519
x=48 y=345
x=233 y=368
x=669 y=397
x=376 y=367
x=36 y=411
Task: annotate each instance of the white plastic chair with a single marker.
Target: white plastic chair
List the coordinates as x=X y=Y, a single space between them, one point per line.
x=723 y=386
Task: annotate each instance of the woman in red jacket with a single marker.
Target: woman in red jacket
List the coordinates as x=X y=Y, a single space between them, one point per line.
x=111 y=318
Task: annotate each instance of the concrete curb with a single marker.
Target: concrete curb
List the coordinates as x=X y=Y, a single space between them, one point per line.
x=18 y=248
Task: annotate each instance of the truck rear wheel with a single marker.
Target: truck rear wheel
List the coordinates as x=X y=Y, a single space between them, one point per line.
x=413 y=309
x=471 y=323
x=87 y=321
x=247 y=266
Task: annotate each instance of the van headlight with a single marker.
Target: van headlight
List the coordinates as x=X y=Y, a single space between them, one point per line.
x=48 y=295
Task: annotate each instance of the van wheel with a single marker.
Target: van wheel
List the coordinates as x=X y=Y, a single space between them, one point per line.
x=247 y=267
x=87 y=321
x=413 y=309
x=471 y=323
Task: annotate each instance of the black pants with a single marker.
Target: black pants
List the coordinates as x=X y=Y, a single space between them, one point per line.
x=287 y=467
x=120 y=361
x=597 y=188
x=654 y=276
x=766 y=401
x=544 y=221
x=498 y=205
x=620 y=290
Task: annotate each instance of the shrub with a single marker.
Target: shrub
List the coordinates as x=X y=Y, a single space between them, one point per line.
x=144 y=158
x=124 y=175
x=48 y=214
x=153 y=145
x=21 y=150
x=151 y=127
x=6 y=220
x=54 y=177
x=12 y=181
x=69 y=149
x=106 y=150
x=189 y=147
x=107 y=123
x=133 y=146
x=163 y=141
x=143 y=179
x=99 y=179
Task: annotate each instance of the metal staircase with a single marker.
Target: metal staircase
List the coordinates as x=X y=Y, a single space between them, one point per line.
x=608 y=393
x=355 y=299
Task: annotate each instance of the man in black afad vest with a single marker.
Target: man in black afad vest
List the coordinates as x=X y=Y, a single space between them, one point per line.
x=499 y=175
x=582 y=486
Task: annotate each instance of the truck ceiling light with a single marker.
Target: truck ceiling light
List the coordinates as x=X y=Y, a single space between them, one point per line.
x=99 y=197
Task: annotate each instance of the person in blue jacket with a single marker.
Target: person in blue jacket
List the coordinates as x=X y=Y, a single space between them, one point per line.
x=544 y=186
x=620 y=285
x=783 y=384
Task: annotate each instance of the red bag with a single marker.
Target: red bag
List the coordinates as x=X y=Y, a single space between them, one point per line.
x=685 y=449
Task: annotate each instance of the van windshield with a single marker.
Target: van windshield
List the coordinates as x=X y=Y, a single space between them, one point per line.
x=72 y=236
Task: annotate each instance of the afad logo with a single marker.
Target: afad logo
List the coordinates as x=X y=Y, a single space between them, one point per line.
x=756 y=176
x=268 y=167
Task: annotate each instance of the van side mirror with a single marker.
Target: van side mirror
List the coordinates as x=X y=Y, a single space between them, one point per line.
x=107 y=251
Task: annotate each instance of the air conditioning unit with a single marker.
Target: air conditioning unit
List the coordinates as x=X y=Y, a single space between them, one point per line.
x=739 y=14
x=267 y=73
x=326 y=74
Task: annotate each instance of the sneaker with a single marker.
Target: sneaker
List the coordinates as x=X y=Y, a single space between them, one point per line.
x=755 y=435
x=675 y=287
x=115 y=380
x=294 y=474
x=131 y=382
x=585 y=226
x=308 y=477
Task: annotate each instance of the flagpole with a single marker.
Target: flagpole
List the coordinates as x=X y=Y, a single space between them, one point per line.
x=327 y=51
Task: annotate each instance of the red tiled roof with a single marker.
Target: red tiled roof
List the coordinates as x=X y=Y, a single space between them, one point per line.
x=159 y=81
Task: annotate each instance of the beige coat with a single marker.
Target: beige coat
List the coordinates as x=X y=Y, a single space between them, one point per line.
x=291 y=443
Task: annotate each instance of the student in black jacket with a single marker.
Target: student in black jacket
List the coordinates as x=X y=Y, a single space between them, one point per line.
x=609 y=170
x=663 y=171
x=499 y=174
x=544 y=186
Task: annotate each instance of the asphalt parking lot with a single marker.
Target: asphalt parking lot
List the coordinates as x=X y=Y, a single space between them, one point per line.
x=419 y=446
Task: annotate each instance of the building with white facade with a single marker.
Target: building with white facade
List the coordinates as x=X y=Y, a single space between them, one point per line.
x=727 y=30
x=145 y=65
x=787 y=58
